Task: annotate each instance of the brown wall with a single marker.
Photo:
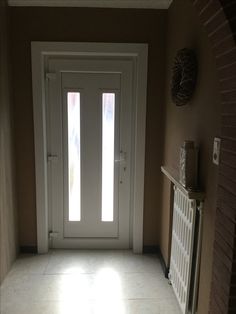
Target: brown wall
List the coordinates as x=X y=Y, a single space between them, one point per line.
x=8 y=231
x=95 y=25
x=198 y=121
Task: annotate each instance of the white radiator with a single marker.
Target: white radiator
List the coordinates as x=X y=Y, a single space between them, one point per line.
x=183 y=230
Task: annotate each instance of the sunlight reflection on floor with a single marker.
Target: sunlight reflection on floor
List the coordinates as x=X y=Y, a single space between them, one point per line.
x=103 y=293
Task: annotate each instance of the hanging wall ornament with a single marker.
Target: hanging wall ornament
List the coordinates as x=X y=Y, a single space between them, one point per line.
x=184 y=76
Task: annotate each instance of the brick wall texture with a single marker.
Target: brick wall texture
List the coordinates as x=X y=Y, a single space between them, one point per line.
x=219 y=19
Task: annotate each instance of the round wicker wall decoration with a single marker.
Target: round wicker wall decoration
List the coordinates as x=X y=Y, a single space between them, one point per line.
x=184 y=76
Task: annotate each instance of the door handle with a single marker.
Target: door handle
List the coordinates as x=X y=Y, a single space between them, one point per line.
x=123 y=157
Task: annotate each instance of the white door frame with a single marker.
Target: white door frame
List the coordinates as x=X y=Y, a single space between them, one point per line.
x=40 y=53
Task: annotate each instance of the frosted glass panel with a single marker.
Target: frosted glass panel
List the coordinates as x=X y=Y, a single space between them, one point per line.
x=73 y=106
x=108 y=138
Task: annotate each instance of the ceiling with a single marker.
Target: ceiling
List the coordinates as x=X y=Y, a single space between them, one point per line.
x=144 y=4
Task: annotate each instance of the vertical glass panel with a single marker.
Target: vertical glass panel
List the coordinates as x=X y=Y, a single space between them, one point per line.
x=73 y=109
x=108 y=141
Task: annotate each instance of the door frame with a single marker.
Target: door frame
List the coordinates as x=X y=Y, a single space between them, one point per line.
x=138 y=53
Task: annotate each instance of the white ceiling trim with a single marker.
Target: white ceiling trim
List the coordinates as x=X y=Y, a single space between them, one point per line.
x=142 y=4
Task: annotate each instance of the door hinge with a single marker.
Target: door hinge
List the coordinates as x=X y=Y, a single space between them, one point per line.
x=53 y=234
x=52 y=158
x=50 y=76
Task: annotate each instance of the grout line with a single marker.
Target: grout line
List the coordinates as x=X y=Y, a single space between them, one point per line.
x=49 y=259
x=95 y=273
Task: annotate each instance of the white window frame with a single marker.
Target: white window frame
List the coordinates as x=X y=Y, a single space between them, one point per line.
x=139 y=54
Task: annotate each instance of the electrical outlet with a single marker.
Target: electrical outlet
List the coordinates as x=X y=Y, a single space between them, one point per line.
x=216 y=151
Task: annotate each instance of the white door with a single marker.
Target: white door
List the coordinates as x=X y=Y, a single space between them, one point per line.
x=89 y=152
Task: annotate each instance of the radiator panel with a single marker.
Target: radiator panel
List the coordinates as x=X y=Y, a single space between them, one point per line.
x=183 y=229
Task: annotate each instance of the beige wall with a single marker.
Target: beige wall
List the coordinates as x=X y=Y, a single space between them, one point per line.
x=8 y=231
x=198 y=121
x=95 y=25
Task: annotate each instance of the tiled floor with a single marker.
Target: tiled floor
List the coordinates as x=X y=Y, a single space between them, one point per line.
x=104 y=282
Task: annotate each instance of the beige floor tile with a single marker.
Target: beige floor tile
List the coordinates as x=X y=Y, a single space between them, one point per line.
x=94 y=282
